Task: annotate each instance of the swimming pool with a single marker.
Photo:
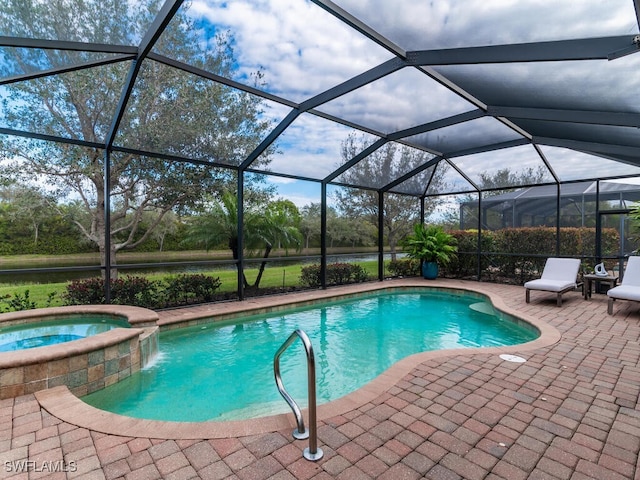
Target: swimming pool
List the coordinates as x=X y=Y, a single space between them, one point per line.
x=225 y=371
x=54 y=331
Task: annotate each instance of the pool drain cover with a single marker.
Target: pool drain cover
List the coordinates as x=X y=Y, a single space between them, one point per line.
x=512 y=358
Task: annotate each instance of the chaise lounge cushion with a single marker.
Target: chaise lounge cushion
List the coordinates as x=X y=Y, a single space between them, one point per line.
x=550 y=285
x=629 y=289
x=559 y=276
x=625 y=292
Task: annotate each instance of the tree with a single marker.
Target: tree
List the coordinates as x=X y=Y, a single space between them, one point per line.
x=167 y=226
x=379 y=168
x=29 y=207
x=494 y=184
x=310 y=223
x=169 y=112
x=263 y=227
x=277 y=225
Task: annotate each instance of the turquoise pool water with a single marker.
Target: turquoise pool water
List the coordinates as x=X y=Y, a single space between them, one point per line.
x=224 y=372
x=59 y=330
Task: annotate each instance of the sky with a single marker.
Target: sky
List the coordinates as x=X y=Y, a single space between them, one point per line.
x=303 y=51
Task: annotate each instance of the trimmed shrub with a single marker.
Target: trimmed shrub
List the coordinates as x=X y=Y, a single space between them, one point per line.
x=337 y=274
x=465 y=264
x=405 y=267
x=85 y=292
x=189 y=289
x=131 y=290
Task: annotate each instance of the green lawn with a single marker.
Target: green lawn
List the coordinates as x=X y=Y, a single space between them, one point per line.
x=280 y=276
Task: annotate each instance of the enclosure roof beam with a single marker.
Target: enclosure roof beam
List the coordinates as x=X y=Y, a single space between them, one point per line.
x=561 y=50
x=442 y=123
x=20 y=42
x=359 y=26
x=161 y=21
x=363 y=154
x=614 y=151
x=273 y=135
x=49 y=138
x=171 y=62
x=354 y=83
x=488 y=148
x=411 y=174
x=66 y=69
x=573 y=116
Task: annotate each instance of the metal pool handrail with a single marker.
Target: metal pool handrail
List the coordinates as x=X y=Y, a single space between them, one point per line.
x=312 y=453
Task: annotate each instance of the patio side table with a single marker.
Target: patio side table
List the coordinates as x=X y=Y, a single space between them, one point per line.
x=589 y=279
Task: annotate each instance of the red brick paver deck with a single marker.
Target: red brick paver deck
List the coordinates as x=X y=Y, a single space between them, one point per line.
x=569 y=412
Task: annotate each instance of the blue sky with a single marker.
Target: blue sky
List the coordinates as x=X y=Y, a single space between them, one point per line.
x=303 y=51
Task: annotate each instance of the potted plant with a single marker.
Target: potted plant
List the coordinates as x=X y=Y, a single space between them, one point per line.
x=432 y=246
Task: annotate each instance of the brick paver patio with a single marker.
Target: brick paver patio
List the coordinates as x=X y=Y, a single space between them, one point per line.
x=569 y=412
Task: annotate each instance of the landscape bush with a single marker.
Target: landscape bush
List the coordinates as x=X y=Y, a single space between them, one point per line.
x=519 y=254
x=18 y=301
x=404 y=267
x=189 y=289
x=173 y=291
x=337 y=274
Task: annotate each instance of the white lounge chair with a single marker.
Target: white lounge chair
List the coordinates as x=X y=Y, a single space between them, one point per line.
x=559 y=276
x=629 y=288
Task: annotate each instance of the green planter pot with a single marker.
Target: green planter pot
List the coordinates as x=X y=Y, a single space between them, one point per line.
x=430 y=270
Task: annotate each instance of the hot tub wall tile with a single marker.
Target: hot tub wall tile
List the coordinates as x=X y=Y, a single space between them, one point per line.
x=111 y=353
x=12 y=376
x=35 y=372
x=123 y=349
x=77 y=379
x=96 y=385
x=96 y=357
x=81 y=391
x=136 y=360
x=124 y=364
x=111 y=367
x=32 y=387
x=79 y=362
x=58 y=367
x=84 y=367
x=11 y=391
x=95 y=373
x=111 y=379
x=58 y=380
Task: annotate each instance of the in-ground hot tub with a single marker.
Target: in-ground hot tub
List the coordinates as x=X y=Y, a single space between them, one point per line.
x=65 y=328
x=83 y=347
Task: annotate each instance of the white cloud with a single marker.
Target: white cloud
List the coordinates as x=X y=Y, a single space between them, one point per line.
x=302 y=49
x=439 y=24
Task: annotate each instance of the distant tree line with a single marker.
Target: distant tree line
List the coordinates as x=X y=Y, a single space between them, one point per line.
x=32 y=222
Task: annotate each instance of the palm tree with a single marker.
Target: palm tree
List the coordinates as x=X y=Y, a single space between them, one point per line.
x=264 y=228
x=277 y=226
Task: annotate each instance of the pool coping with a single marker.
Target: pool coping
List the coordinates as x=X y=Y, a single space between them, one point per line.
x=60 y=402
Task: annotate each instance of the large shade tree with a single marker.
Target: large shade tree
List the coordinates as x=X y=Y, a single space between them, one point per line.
x=179 y=115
